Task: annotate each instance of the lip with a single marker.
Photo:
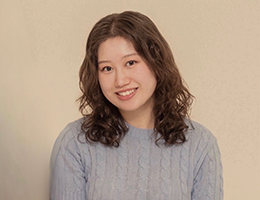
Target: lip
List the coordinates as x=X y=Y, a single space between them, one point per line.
x=127 y=97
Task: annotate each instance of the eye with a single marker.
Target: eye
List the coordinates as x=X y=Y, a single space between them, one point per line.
x=130 y=63
x=106 y=69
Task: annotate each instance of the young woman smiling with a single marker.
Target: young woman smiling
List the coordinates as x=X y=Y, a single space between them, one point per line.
x=138 y=141
x=126 y=81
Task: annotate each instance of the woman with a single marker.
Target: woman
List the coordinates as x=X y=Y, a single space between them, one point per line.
x=137 y=142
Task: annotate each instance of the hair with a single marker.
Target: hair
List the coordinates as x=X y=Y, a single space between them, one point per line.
x=172 y=100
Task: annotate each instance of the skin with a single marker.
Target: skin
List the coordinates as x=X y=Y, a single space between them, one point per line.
x=127 y=81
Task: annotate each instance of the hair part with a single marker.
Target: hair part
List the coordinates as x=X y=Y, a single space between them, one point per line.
x=172 y=100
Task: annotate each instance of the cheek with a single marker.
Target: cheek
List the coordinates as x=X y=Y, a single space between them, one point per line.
x=151 y=82
x=104 y=84
x=147 y=76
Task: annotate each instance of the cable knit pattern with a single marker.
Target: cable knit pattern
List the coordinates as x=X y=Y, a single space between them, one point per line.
x=184 y=171
x=138 y=169
x=165 y=173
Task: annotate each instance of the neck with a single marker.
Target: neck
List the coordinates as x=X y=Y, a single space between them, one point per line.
x=143 y=120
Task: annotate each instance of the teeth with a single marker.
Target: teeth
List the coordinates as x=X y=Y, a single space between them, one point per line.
x=126 y=92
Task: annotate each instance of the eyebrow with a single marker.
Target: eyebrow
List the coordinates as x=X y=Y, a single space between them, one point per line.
x=125 y=56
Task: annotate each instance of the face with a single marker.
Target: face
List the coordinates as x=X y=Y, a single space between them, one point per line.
x=125 y=79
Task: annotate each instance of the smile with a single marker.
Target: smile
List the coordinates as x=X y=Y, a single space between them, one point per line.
x=126 y=93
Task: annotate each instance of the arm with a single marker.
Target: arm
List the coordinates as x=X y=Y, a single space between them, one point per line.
x=68 y=181
x=208 y=181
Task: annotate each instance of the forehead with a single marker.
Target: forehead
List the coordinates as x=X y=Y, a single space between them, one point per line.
x=116 y=46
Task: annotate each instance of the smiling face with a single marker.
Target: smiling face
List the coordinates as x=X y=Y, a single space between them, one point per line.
x=124 y=77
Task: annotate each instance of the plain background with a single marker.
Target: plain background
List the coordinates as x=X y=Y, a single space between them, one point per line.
x=216 y=45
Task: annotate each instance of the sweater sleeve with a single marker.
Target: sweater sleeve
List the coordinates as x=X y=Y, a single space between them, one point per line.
x=68 y=177
x=208 y=181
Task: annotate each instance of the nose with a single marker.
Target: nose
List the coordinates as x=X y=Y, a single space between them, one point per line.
x=122 y=78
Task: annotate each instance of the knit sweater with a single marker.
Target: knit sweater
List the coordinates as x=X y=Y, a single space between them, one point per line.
x=138 y=169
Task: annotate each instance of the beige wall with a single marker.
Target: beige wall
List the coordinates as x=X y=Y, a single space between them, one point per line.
x=216 y=45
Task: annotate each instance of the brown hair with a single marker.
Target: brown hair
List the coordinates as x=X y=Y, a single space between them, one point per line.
x=172 y=100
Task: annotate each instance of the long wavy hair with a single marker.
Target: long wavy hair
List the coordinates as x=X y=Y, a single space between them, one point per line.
x=102 y=120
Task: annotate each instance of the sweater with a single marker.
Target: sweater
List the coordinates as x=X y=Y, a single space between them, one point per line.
x=138 y=169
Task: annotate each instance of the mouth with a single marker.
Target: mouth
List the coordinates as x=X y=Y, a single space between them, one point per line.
x=127 y=92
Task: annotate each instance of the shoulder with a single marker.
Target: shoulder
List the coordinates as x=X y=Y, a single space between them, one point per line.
x=73 y=128
x=70 y=132
x=200 y=142
x=68 y=139
x=198 y=133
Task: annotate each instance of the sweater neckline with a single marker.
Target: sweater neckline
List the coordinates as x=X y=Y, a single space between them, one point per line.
x=136 y=128
x=139 y=132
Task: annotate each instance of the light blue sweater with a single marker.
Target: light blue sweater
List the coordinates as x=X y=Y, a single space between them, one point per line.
x=138 y=169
